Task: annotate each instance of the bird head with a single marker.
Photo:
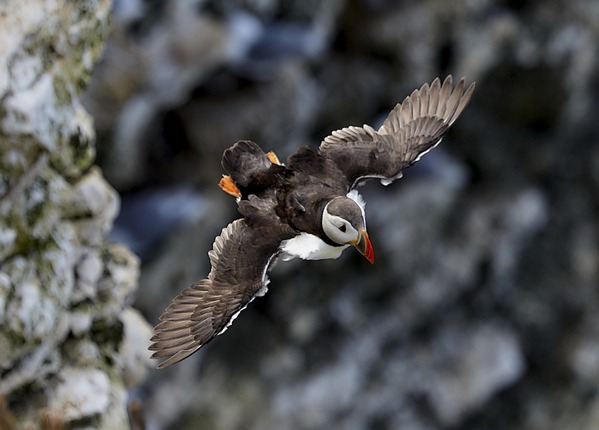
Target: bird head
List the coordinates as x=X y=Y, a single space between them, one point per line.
x=343 y=223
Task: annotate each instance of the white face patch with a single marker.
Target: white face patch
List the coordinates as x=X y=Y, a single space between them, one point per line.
x=338 y=229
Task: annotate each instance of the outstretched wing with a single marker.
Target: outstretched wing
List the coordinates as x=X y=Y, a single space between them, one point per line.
x=239 y=258
x=412 y=128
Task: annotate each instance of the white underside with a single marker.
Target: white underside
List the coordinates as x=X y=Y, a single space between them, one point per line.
x=309 y=247
x=305 y=246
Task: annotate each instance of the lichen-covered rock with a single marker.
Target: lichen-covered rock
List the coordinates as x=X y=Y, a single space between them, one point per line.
x=480 y=311
x=80 y=393
x=63 y=287
x=133 y=351
x=41 y=80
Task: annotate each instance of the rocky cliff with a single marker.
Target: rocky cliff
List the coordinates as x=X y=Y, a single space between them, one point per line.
x=69 y=343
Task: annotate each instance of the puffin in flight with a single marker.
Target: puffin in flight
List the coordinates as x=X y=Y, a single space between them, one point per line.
x=308 y=208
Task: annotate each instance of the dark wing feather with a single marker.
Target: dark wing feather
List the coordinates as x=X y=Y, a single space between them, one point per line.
x=239 y=259
x=244 y=161
x=308 y=163
x=413 y=128
x=251 y=169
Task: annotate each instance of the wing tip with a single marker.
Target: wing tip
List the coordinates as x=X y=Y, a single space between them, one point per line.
x=176 y=357
x=448 y=81
x=412 y=128
x=174 y=351
x=462 y=99
x=207 y=308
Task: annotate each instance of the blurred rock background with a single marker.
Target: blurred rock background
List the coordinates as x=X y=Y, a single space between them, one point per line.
x=70 y=345
x=480 y=311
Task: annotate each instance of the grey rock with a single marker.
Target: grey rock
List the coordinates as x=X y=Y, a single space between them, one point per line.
x=476 y=365
x=81 y=393
x=134 y=347
x=63 y=287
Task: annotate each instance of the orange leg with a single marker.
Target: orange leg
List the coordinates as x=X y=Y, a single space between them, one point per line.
x=273 y=157
x=228 y=186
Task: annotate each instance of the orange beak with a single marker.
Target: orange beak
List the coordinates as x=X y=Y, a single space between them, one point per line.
x=363 y=245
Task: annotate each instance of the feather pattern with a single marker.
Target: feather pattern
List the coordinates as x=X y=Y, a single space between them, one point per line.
x=413 y=128
x=282 y=208
x=207 y=308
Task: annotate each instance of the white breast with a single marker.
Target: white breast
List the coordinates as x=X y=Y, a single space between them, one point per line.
x=309 y=247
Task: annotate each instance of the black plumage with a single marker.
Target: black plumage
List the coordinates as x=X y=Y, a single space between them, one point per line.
x=305 y=209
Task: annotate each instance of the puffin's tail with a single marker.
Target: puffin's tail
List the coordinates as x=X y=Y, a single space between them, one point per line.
x=245 y=161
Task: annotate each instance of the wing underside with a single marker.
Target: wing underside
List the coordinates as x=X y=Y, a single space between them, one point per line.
x=412 y=128
x=239 y=258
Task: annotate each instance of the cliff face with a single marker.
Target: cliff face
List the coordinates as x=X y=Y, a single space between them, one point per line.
x=63 y=287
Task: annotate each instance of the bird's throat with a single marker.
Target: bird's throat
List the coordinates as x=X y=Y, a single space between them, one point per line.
x=309 y=247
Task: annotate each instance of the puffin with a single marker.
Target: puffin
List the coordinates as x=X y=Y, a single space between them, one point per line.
x=308 y=208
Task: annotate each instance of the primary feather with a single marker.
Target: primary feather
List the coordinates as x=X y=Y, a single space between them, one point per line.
x=411 y=129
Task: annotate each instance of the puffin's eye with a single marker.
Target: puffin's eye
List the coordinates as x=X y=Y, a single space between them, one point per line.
x=343 y=228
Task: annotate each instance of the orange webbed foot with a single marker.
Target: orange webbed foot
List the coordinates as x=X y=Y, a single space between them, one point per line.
x=228 y=186
x=273 y=158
